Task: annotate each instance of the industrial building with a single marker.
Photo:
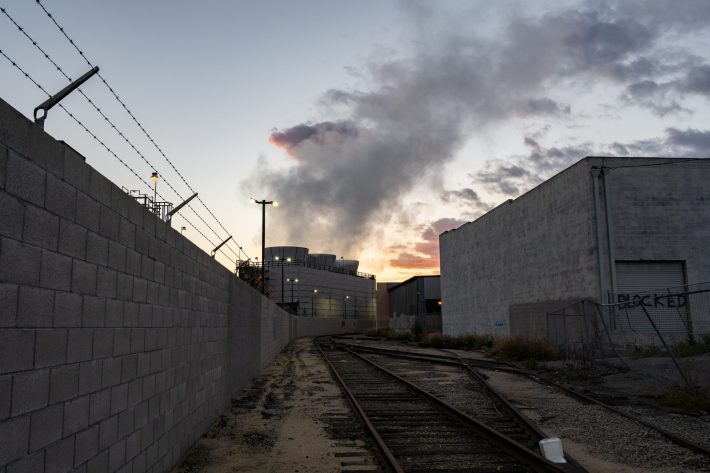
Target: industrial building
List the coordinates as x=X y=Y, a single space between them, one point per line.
x=315 y=284
x=605 y=230
x=415 y=301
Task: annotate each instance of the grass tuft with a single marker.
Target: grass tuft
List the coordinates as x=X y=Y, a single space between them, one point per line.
x=524 y=349
x=465 y=342
x=680 y=349
x=687 y=399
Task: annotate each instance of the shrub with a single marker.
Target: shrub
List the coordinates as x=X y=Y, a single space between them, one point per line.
x=466 y=342
x=376 y=332
x=524 y=349
x=473 y=341
x=680 y=349
x=417 y=331
x=435 y=340
x=687 y=399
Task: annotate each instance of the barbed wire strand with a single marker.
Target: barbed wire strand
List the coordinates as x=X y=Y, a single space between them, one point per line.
x=111 y=124
x=105 y=146
x=138 y=123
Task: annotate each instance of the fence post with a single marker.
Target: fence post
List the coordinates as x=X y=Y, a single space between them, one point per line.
x=564 y=326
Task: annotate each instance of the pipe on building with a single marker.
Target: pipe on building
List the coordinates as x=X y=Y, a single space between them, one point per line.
x=609 y=230
x=597 y=217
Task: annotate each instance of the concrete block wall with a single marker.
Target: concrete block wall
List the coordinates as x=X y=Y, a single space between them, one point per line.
x=120 y=340
x=661 y=213
x=502 y=273
x=538 y=248
x=113 y=346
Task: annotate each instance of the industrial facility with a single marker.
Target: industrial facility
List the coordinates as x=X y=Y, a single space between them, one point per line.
x=415 y=302
x=314 y=284
x=628 y=235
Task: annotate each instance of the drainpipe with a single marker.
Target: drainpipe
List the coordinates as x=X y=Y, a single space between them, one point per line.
x=609 y=230
x=597 y=216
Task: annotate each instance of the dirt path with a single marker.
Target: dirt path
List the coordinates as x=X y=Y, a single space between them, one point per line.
x=291 y=419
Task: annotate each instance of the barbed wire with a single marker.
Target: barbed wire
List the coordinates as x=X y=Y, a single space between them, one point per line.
x=111 y=124
x=140 y=125
x=104 y=145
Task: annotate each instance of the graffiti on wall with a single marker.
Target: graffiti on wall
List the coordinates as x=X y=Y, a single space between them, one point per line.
x=629 y=301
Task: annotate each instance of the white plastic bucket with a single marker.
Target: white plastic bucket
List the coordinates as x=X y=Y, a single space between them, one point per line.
x=551 y=449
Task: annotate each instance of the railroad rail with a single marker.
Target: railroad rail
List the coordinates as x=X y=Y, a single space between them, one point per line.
x=472 y=364
x=415 y=431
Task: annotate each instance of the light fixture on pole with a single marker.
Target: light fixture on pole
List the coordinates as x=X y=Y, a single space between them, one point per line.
x=345 y=309
x=313 y=302
x=154 y=178
x=263 y=204
x=292 y=281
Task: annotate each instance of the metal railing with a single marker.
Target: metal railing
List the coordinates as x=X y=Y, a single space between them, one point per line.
x=160 y=209
x=304 y=264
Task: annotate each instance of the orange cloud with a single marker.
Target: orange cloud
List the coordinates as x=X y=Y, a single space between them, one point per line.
x=428 y=248
x=410 y=261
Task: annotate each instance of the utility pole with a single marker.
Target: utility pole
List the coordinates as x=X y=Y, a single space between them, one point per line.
x=263 y=204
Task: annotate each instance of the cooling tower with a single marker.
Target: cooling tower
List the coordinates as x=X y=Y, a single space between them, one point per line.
x=283 y=253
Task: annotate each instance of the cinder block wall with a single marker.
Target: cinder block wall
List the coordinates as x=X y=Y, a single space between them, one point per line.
x=114 y=340
x=539 y=248
x=120 y=340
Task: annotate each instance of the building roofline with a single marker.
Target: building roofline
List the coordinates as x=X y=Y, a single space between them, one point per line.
x=581 y=162
x=412 y=279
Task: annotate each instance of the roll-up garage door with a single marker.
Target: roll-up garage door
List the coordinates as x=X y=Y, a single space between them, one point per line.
x=658 y=287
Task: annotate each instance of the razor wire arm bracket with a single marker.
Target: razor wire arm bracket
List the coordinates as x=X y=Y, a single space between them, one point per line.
x=169 y=216
x=214 y=252
x=45 y=106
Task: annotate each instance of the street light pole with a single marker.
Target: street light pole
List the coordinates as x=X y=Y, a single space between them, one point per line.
x=263 y=204
x=154 y=178
x=345 y=310
x=292 y=281
x=313 y=302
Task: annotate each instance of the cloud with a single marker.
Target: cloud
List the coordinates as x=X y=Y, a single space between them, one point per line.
x=695 y=142
x=410 y=261
x=657 y=97
x=420 y=107
x=466 y=195
x=697 y=80
x=504 y=177
x=543 y=106
x=319 y=133
x=445 y=224
x=520 y=173
x=676 y=143
x=428 y=248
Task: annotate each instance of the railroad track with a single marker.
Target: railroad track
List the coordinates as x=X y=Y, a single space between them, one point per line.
x=415 y=431
x=472 y=364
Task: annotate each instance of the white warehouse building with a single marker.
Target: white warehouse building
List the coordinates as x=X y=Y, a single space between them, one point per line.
x=604 y=230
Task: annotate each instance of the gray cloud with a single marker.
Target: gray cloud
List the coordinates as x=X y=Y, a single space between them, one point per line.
x=505 y=178
x=318 y=133
x=420 y=110
x=636 y=70
x=697 y=80
x=543 y=106
x=466 y=194
x=695 y=143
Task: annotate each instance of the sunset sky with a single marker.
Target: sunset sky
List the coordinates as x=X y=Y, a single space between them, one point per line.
x=376 y=124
